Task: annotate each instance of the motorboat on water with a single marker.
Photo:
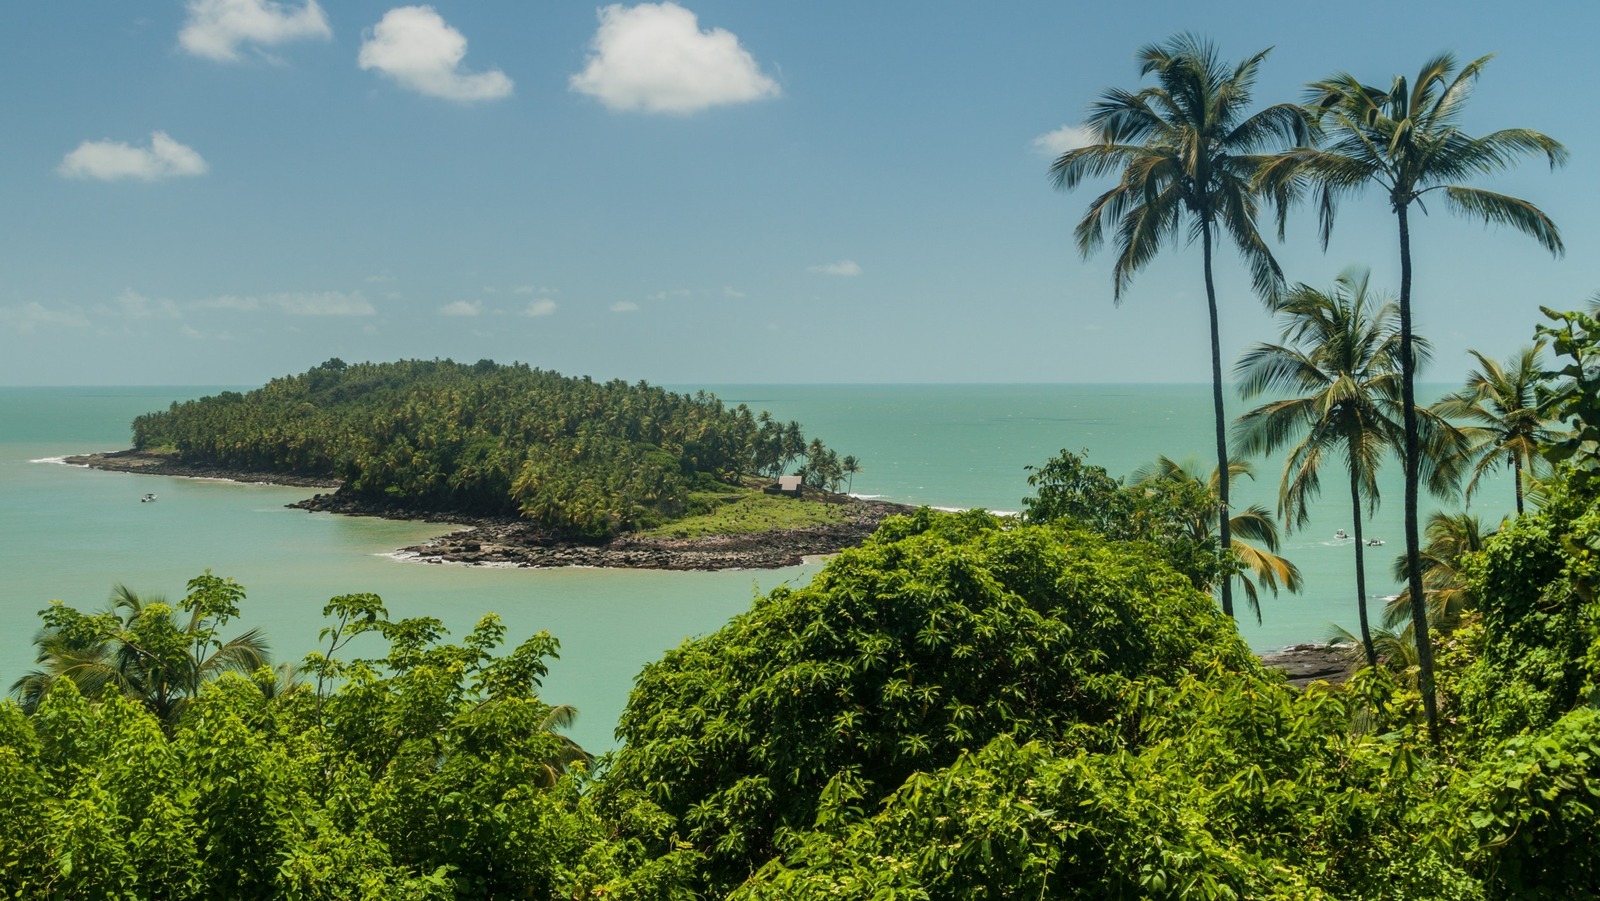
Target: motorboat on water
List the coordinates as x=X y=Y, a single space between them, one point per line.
x=1374 y=542
x=147 y=499
x=1341 y=534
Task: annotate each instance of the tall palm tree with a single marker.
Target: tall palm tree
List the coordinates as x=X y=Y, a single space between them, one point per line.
x=1406 y=142
x=1186 y=152
x=1501 y=409
x=1339 y=366
x=141 y=648
x=1257 y=565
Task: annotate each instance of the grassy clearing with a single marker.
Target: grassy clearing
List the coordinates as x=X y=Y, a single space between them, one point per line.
x=738 y=511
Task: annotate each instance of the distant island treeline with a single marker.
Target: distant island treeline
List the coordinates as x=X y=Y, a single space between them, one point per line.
x=587 y=459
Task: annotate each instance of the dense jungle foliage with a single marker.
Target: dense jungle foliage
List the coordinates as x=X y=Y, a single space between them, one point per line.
x=585 y=458
x=964 y=707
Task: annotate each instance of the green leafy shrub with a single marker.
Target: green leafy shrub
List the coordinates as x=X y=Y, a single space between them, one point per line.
x=943 y=632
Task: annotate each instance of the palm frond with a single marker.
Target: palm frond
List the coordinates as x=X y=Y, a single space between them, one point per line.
x=1502 y=209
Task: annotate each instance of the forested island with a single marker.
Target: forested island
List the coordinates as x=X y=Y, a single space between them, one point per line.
x=548 y=469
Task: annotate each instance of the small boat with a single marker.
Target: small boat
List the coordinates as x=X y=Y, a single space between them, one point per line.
x=147 y=499
x=1374 y=542
x=1341 y=534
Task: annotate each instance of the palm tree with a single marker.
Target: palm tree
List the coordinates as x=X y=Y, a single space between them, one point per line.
x=1185 y=151
x=141 y=648
x=1406 y=141
x=1500 y=404
x=850 y=466
x=1451 y=538
x=1339 y=366
x=1256 y=565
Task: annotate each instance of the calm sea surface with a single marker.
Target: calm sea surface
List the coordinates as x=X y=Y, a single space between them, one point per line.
x=70 y=533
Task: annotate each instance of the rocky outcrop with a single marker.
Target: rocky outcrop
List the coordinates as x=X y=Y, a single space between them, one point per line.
x=523 y=544
x=169 y=465
x=1308 y=663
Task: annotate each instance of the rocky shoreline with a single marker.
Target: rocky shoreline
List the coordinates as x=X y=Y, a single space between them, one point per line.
x=1308 y=663
x=508 y=542
x=144 y=463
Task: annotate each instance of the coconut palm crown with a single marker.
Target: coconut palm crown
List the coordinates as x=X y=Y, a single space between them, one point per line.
x=1259 y=565
x=144 y=649
x=1186 y=152
x=1499 y=409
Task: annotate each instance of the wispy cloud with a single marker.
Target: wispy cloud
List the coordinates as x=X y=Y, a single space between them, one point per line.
x=194 y=334
x=462 y=308
x=216 y=28
x=113 y=160
x=227 y=302
x=414 y=46
x=733 y=293
x=1067 y=137
x=655 y=58
x=542 y=307
x=324 y=303
x=130 y=304
x=294 y=303
x=845 y=268
x=28 y=317
x=624 y=306
x=674 y=294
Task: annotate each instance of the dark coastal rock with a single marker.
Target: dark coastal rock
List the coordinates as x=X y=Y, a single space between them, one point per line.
x=140 y=462
x=1308 y=663
x=523 y=544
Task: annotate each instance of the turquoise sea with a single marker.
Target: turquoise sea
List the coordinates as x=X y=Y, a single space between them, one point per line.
x=70 y=533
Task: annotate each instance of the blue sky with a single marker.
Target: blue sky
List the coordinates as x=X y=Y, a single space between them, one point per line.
x=221 y=191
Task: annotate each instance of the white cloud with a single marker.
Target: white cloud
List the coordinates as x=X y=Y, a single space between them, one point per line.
x=132 y=305
x=654 y=58
x=227 y=302
x=734 y=293
x=1067 y=137
x=194 y=334
x=461 y=308
x=543 y=307
x=624 y=306
x=325 y=303
x=381 y=277
x=416 y=48
x=216 y=28
x=111 y=160
x=28 y=317
x=529 y=289
x=842 y=267
x=676 y=293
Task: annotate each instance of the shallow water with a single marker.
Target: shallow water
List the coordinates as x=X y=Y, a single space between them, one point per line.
x=70 y=533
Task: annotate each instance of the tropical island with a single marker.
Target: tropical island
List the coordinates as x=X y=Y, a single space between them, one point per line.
x=1053 y=705
x=545 y=469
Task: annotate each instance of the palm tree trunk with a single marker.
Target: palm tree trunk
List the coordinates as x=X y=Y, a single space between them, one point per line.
x=1408 y=400
x=1516 y=473
x=1222 y=425
x=1361 y=569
